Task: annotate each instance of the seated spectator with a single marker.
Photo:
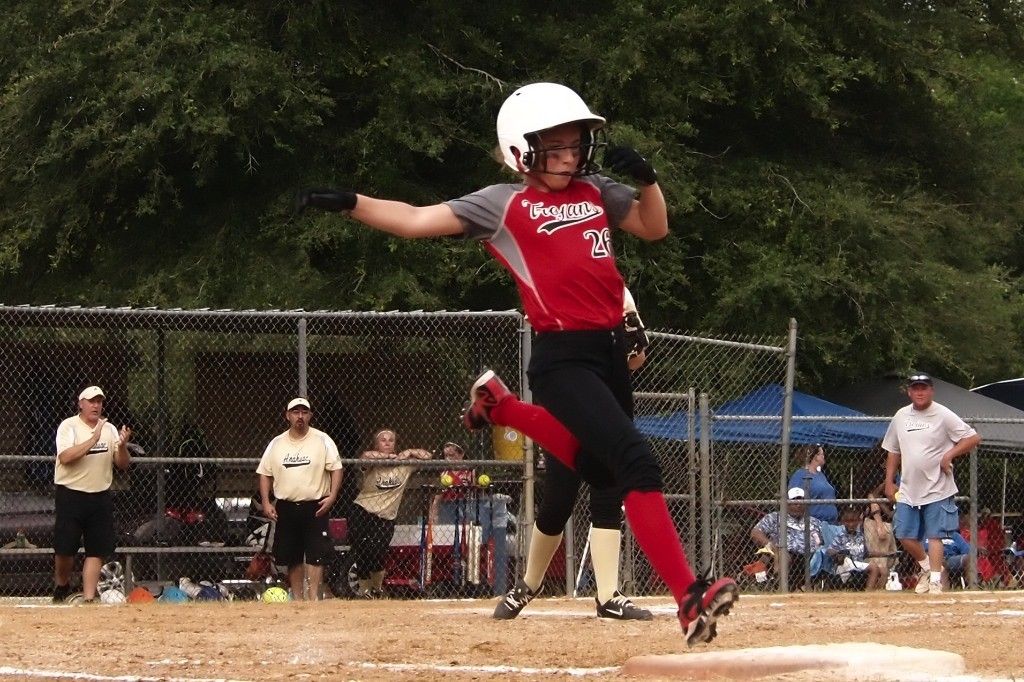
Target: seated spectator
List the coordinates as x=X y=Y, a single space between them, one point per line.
x=955 y=551
x=992 y=558
x=881 y=503
x=765 y=535
x=1015 y=557
x=878 y=537
x=992 y=538
x=848 y=552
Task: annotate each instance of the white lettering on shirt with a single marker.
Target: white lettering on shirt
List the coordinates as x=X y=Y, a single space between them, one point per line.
x=562 y=215
x=914 y=424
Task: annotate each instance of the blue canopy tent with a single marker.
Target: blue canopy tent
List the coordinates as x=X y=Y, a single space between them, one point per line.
x=768 y=401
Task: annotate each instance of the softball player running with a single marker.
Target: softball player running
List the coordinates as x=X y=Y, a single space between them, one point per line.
x=552 y=231
x=561 y=488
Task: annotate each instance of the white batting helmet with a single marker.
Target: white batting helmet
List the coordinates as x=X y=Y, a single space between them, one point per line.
x=537 y=107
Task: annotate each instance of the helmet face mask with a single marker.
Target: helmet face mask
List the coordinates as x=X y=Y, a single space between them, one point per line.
x=535 y=159
x=536 y=108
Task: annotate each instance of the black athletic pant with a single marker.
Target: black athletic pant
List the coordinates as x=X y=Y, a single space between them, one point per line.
x=581 y=377
x=371 y=539
x=561 y=488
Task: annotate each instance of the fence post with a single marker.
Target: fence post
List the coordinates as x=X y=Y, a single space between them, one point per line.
x=972 y=555
x=302 y=351
x=691 y=464
x=787 y=426
x=163 y=435
x=526 y=510
x=705 y=483
x=569 y=540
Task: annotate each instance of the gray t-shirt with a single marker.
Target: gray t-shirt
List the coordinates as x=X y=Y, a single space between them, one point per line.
x=921 y=438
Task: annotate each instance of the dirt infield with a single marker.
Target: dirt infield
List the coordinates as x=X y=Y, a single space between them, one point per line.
x=429 y=640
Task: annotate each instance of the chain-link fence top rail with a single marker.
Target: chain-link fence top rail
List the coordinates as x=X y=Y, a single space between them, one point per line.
x=207 y=390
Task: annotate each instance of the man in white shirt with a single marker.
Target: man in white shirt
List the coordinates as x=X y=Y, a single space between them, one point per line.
x=922 y=440
x=88 y=447
x=303 y=467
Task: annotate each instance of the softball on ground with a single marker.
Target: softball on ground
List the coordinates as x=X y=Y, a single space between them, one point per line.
x=275 y=594
x=484 y=480
x=446 y=479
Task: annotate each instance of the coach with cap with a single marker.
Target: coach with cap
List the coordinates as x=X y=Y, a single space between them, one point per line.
x=303 y=467
x=922 y=441
x=88 y=447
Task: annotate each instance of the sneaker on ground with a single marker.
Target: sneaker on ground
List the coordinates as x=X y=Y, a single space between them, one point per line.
x=935 y=588
x=922 y=581
x=487 y=391
x=369 y=594
x=61 y=593
x=620 y=607
x=79 y=598
x=514 y=602
x=704 y=604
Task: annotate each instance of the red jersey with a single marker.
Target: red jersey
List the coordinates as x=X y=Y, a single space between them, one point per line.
x=557 y=246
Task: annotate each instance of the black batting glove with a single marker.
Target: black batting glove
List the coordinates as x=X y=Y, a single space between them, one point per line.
x=324 y=198
x=627 y=161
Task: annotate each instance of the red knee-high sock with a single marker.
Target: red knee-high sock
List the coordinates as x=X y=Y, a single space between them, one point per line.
x=654 y=531
x=537 y=423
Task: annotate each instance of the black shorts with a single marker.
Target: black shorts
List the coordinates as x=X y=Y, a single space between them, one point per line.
x=83 y=519
x=300 y=536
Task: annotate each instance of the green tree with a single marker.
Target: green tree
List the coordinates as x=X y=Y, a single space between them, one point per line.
x=855 y=165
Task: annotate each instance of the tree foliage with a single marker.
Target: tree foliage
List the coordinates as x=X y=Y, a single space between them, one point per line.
x=854 y=165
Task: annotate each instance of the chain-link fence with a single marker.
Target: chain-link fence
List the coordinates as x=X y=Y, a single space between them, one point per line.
x=205 y=391
x=723 y=479
x=986 y=551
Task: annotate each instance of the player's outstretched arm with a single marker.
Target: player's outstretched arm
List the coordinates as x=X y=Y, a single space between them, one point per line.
x=394 y=217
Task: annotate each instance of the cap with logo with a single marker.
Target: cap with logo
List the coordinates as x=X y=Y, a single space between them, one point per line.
x=796 y=493
x=298 y=402
x=90 y=393
x=919 y=379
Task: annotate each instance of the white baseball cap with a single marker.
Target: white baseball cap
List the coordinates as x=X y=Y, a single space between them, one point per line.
x=299 y=402
x=796 y=493
x=90 y=393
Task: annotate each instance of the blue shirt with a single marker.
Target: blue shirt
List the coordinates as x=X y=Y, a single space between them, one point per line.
x=953 y=546
x=818 y=488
